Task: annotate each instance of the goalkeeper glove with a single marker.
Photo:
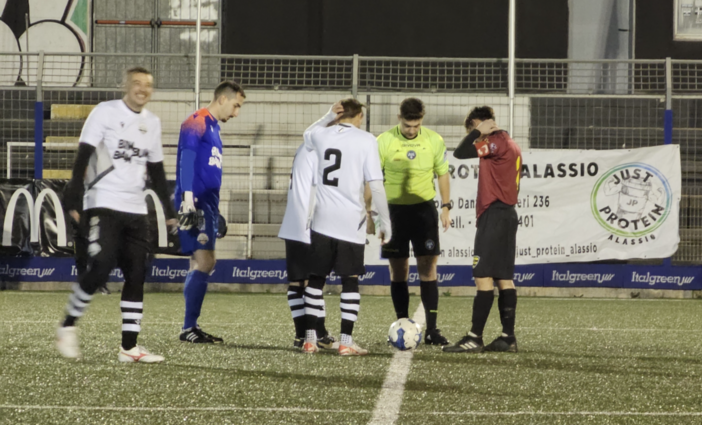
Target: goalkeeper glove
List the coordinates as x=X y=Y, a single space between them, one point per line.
x=221 y=227
x=187 y=215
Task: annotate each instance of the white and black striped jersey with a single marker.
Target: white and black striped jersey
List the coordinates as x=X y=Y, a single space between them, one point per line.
x=124 y=142
x=301 y=192
x=348 y=157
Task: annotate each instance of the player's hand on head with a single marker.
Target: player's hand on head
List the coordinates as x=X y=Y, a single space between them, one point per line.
x=337 y=108
x=487 y=127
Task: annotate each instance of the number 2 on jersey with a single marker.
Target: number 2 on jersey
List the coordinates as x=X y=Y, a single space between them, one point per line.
x=330 y=169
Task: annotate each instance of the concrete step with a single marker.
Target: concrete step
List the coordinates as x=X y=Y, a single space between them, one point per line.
x=70 y=112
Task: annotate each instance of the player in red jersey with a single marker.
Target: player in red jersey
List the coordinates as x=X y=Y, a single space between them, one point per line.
x=496 y=236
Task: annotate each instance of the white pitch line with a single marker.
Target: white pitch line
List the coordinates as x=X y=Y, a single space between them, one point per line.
x=354 y=412
x=540 y=413
x=387 y=408
x=176 y=409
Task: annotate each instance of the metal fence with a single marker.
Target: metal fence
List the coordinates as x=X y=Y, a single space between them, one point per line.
x=562 y=104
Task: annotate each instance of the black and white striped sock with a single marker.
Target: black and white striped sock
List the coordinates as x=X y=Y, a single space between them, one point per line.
x=350 y=305
x=77 y=304
x=296 y=303
x=314 y=308
x=132 y=313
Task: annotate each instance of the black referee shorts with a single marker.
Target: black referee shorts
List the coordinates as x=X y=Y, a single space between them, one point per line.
x=415 y=223
x=496 y=242
x=344 y=258
x=298 y=257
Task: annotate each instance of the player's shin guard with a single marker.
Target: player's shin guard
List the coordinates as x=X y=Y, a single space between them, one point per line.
x=314 y=306
x=429 y=291
x=194 y=293
x=350 y=305
x=77 y=304
x=482 y=303
x=400 y=298
x=296 y=302
x=507 y=303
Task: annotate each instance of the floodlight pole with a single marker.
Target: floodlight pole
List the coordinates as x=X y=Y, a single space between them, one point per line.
x=197 y=54
x=510 y=70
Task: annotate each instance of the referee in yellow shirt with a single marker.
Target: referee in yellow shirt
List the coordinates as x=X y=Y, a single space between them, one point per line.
x=410 y=156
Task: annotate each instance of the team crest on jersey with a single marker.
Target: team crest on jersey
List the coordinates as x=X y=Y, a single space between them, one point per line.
x=411 y=154
x=476 y=260
x=203 y=238
x=429 y=244
x=216 y=158
x=142 y=128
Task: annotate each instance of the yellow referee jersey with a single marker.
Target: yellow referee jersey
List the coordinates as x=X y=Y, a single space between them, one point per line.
x=410 y=165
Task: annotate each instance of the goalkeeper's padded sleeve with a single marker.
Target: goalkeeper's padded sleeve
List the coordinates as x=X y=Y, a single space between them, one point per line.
x=381 y=204
x=73 y=193
x=466 y=149
x=158 y=179
x=187 y=170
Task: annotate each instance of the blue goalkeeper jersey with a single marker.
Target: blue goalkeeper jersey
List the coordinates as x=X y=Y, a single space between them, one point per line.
x=199 y=134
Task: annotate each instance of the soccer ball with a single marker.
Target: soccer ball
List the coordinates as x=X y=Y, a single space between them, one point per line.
x=405 y=334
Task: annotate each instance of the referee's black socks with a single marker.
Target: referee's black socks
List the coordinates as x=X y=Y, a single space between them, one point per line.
x=429 y=291
x=482 y=303
x=507 y=303
x=400 y=298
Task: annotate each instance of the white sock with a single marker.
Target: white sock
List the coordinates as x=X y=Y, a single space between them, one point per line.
x=346 y=340
x=311 y=336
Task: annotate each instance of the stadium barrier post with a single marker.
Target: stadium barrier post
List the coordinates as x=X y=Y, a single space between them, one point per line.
x=197 y=55
x=668 y=119
x=354 y=83
x=39 y=122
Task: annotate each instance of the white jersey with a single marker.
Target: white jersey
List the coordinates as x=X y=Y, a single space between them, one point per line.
x=298 y=211
x=124 y=141
x=348 y=157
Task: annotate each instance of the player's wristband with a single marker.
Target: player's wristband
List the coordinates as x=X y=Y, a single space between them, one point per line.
x=447 y=205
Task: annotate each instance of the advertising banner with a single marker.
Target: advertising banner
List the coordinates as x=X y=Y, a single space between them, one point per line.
x=575 y=206
x=174 y=270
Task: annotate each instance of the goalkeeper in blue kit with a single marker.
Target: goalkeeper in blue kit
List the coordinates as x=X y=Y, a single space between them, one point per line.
x=198 y=181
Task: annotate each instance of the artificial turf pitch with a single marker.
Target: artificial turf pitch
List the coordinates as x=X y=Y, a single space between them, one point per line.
x=580 y=361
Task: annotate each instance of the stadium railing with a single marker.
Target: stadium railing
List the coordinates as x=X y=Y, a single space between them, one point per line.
x=563 y=104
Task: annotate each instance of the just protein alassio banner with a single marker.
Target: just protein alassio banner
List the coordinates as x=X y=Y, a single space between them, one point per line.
x=575 y=206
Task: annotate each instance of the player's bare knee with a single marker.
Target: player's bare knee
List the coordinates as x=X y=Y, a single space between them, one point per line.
x=505 y=284
x=399 y=269
x=426 y=266
x=484 y=283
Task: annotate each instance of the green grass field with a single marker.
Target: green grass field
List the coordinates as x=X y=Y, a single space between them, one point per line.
x=581 y=361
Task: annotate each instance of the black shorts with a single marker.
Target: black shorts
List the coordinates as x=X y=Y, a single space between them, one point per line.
x=416 y=223
x=115 y=239
x=495 y=242
x=297 y=260
x=344 y=258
